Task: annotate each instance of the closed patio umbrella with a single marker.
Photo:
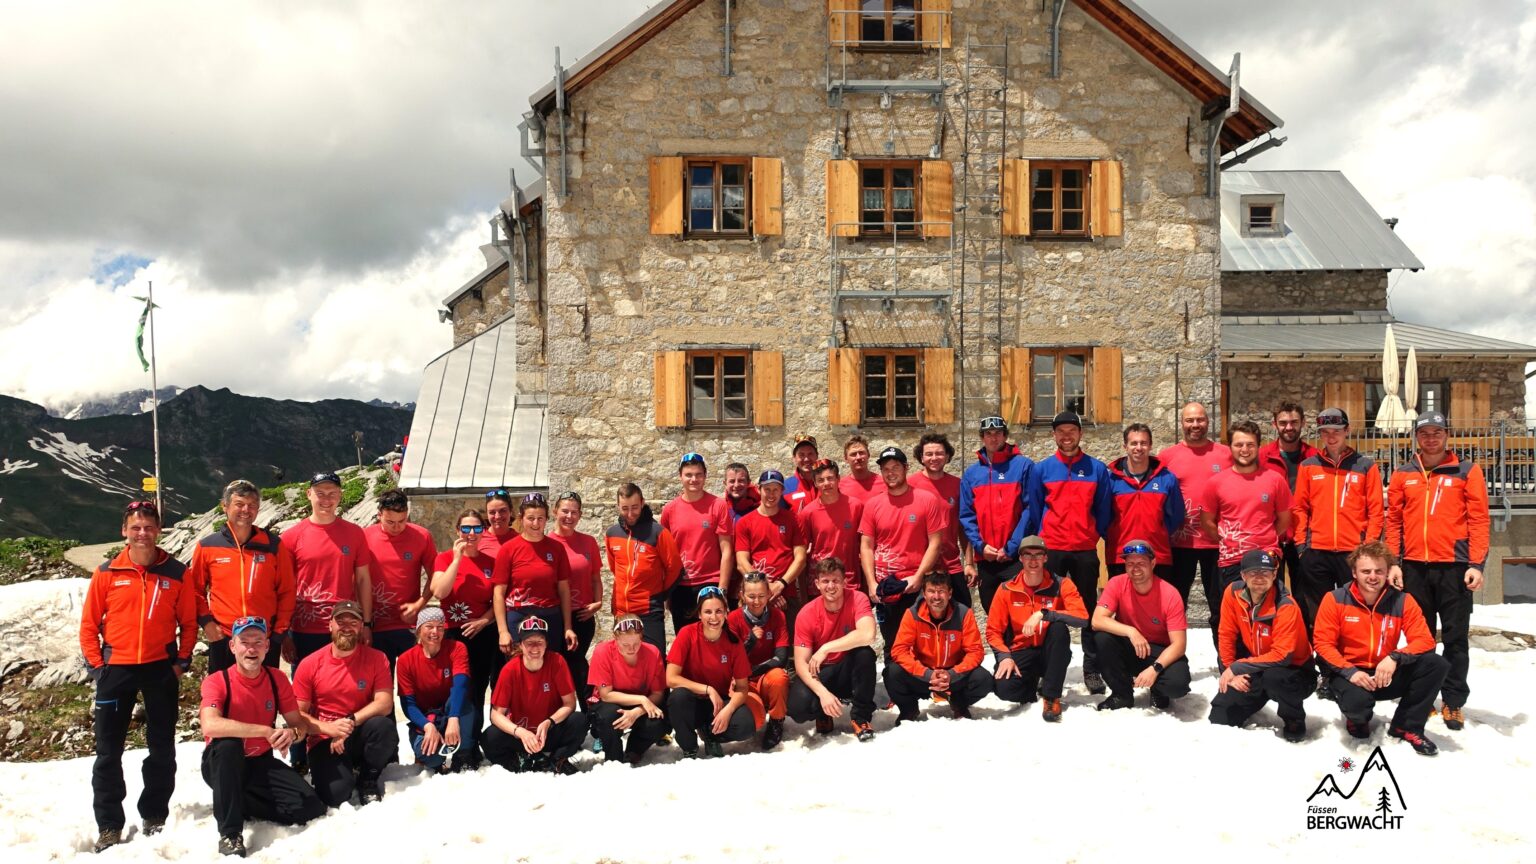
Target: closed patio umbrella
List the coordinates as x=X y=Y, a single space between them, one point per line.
x=1411 y=388
x=1390 y=415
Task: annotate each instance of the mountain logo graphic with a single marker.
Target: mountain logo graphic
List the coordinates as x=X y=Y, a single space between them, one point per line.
x=1384 y=791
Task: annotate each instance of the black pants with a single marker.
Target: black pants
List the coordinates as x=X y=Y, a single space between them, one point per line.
x=116 y=690
x=394 y=643
x=485 y=662
x=1185 y=562
x=368 y=749
x=304 y=644
x=644 y=733
x=906 y=689
x=655 y=621
x=577 y=660
x=220 y=657
x=691 y=715
x=1415 y=684
x=1290 y=562
x=890 y=615
x=1120 y=666
x=255 y=787
x=1441 y=593
x=1288 y=686
x=683 y=605
x=960 y=589
x=852 y=677
x=1082 y=567
x=992 y=575
x=562 y=742
x=1042 y=670
x=1320 y=572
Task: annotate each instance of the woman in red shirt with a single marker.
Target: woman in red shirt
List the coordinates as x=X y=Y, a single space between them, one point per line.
x=629 y=683
x=707 y=670
x=764 y=635
x=586 y=566
x=461 y=582
x=532 y=577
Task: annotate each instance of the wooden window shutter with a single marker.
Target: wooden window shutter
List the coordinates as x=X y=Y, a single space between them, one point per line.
x=1349 y=395
x=1016 y=197
x=767 y=196
x=667 y=195
x=845 y=26
x=938 y=197
x=1015 y=383
x=767 y=388
x=938 y=385
x=1107 y=180
x=1108 y=394
x=937 y=23
x=669 y=389
x=842 y=198
x=1471 y=403
x=843 y=367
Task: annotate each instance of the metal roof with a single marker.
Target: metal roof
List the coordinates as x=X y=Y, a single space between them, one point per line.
x=1328 y=226
x=472 y=430
x=475 y=281
x=1264 y=337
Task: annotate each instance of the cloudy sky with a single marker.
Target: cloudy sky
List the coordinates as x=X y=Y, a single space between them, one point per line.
x=305 y=181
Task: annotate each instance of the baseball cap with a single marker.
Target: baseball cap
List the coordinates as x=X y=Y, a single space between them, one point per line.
x=1332 y=418
x=1033 y=541
x=1429 y=419
x=800 y=441
x=324 y=477
x=891 y=453
x=249 y=622
x=1258 y=559
x=1067 y=418
x=990 y=423
x=1138 y=547
x=430 y=615
x=347 y=607
x=770 y=476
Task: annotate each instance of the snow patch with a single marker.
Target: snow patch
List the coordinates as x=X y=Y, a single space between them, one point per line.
x=81 y=462
x=39 y=623
x=11 y=466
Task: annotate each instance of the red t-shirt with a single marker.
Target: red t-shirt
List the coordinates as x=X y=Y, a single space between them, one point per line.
x=775 y=634
x=251 y=702
x=609 y=669
x=834 y=530
x=861 y=490
x=769 y=541
x=530 y=698
x=490 y=545
x=583 y=559
x=430 y=679
x=899 y=526
x=697 y=526
x=398 y=563
x=470 y=596
x=532 y=571
x=1246 y=507
x=715 y=664
x=1194 y=470
x=1153 y=614
x=325 y=560
x=815 y=626
x=338 y=686
x=947 y=490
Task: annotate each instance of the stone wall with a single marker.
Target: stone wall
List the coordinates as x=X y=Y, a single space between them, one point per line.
x=1312 y=292
x=1255 y=388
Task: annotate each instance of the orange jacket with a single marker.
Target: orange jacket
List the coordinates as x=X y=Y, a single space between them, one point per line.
x=233 y=579
x=1254 y=637
x=137 y=615
x=923 y=644
x=1352 y=635
x=644 y=562
x=1441 y=515
x=1337 y=506
x=1015 y=602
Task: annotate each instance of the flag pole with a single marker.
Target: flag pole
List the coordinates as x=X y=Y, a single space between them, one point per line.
x=154 y=398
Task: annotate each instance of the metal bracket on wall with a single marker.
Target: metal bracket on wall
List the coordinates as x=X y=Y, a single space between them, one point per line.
x=727 y=52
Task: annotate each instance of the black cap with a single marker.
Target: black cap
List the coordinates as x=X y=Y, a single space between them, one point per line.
x=1332 y=418
x=1067 y=417
x=1258 y=559
x=324 y=477
x=891 y=453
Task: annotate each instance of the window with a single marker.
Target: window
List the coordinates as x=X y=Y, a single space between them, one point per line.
x=1263 y=215
x=1432 y=397
x=717 y=196
x=888 y=198
x=891 y=386
x=717 y=389
x=1058 y=382
x=1058 y=201
x=888 y=21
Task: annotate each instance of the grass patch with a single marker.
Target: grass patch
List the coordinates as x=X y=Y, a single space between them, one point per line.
x=20 y=555
x=353 y=490
x=279 y=494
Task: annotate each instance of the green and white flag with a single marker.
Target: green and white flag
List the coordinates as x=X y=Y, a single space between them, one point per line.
x=139 y=339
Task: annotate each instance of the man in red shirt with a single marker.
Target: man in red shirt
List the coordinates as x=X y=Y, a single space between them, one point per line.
x=937 y=654
x=933 y=453
x=769 y=540
x=1245 y=507
x=434 y=694
x=1139 y=624
x=800 y=490
x=238 y=715
x=702 y=526
x=1194 y=461
x=348 y=705
x=859 y=483
x=1284 y=456
x=833 y=657
x=241 y=571
x=534 y=724
x=830 y=524
x=901 y=535
x=403 y=553
x=740 y=494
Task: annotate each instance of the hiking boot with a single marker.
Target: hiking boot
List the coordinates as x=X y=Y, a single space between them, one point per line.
x=910 y=717
x=773 y=734
x=1115 y=703
x=1323 y=690
x=823 y=725
x=1295 y=731
x=1421 y=745
x=665 y=740
x=234 y=845
x=1160 y=702
x=153 y=827
x=712 y=748
x=1095 y=682
x=961 y=712
x=107 y=838
x=864 y=731
x=538 y=762
x=691 y=754
x=1358 y=730
x=1050 y=712
x=562 y=767
x=369 y=791
x=1453 y=718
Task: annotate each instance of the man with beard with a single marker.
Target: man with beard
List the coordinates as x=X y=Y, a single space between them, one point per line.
x=1194 y=461
x=1284 y=455
x=739 y=491
x=241 y=571
x=1140 y=627
x=937 y=654
x=1147 y=502
x=769 y=540
x=860 y=483
x=800 y=488
x=1245 y=508
x=702 y=526
x=348 y=705
x=644 y=561
x=901 y=534
x=993 y=511
x=1263 y=649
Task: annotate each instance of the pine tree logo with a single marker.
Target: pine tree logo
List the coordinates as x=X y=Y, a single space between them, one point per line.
x=1384 y=802
x=1326 y=809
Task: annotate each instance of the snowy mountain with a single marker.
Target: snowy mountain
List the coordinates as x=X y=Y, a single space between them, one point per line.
x=1328 y=787
x=130 y=402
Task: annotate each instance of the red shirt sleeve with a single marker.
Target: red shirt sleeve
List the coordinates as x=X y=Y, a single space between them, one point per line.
x=564 y=684
x=286 y=701
x=460 y=659
x=938 y=514
x=793 y=534
x=740 y=668
x=303 y=682
x=600 y=668
x=780 y=625
x=502 y=573
x=680 y=651
x=364 y=554
x=213 y=694
x=1173 y=607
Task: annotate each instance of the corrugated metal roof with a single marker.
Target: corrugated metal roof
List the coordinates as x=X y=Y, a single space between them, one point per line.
x=1360 y=333
x=1328 y=226
x=472 y=430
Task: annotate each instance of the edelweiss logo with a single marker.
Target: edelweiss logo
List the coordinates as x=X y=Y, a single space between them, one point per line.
x=406 y=556
x=346 y=550
x=1387 y=797
x=261 y=559
x=548 y=556
x=1264 y=496
x=1155 y=487
x=458 y=612
x=705 y=523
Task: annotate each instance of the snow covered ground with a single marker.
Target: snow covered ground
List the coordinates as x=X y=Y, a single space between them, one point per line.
x=1136 y=783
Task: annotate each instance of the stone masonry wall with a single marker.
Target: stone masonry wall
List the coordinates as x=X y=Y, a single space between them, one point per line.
x=1312 y=292
x=1255 y=388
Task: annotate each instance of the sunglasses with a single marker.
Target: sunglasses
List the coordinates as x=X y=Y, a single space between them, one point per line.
x=471 y=529
x=325 y=477
x=136 y=506
x=1137 y=549
x=709 y=591
x=533 y=624
x=629 y=625
x=248 y=622
x=570 y=496
x=499 y=493
x=691 y=459
x=534 y=499
x=823 y=465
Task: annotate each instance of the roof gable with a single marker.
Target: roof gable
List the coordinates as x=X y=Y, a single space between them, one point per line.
x=1328 y=225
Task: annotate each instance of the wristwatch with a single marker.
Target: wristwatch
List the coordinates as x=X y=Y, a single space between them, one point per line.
x=1158 y=666
x=368 y=623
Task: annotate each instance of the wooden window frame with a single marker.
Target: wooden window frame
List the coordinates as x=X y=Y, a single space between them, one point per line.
x=719 y=355
x=1086 y=354
x=717 y=163
x=1370 y=407
x=890 y=355
x=1055 y=232
x=888 y=227
x=890 y=44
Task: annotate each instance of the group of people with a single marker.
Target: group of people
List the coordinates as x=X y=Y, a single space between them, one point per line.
x=777 y=593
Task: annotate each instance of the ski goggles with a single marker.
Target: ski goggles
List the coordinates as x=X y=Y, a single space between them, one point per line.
x=533 y=625
x=629 y=624
x=990 y=423
x=824 y=465
x=471 y=529
x=1138 y=547
x=691 y=459
x=248 y=622
x=534 y=499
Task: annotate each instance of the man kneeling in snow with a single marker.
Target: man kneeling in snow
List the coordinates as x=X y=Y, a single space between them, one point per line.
x=1262 y=641
x=239 y=714
x=1139 y=625
x=833 y=659
x=1027 y=629
x=348 y=703
x=937 y=654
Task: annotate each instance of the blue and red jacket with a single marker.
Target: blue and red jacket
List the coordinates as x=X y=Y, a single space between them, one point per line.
x=1151 y=510
x=994 y=510
x=1073 y=501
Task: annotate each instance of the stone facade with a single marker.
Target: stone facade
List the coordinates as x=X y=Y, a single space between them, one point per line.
x=1255 y=388
x=1312 y=292
x=518 y=287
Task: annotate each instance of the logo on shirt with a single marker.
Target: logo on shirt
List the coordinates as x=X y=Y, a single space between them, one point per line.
x=261 y=559
x=781 y=529
x=122 y=582
x=911 y=517
x=406 y=556
x=225 y=560
x=847 y=526
x=1264 y=497
x=269 y=704
x=1263 y=629
x=1215 y=468
x=546 y=686
x=445 y=673
x=165 y=584
x=1156 y=620
x=1155 y=487
x=704 y=522
x=548 y=556
x=724 y=659
x=346 y=550
x=1081 y=473
x=1002 y=476
x=361 y=684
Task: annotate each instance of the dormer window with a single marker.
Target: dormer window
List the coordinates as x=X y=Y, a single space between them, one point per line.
x=1263 y=215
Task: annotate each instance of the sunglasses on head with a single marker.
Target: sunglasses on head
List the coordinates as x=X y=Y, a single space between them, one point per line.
x=471 y=529
x=709 y=591
x=248 y=622
x=135 y=506
x=534 y=498
x=1137 y=549
x=691 y=459
x=502 y=494
x=823 y=465
x=570 y=496
x=629 y=625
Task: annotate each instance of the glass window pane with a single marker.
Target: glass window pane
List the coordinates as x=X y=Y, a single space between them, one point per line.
x=1042 y=200
x=1045 y=405
x=874 y=199
x=874 y=408
x=906 y=386
x=1071 y=221
x=1071 y=199
x=732 y=174
x=874 y=385
x=701 y=198
x=733 y=388
x=906 y=408
x=733 y=220
x=1073 y=364
x=874 y=364
x=734 y=364
x=1077 y=404
x=1045 y=364
x=1044 y=178
x=906 y=364
x=903 y=199
x=733 y=196
x=873 y=177
x=703 y=410
x=903 y=177
x=704 y=365
x=735 y=409
x=701 y=175
x=701 y=220
x=1071 y=178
